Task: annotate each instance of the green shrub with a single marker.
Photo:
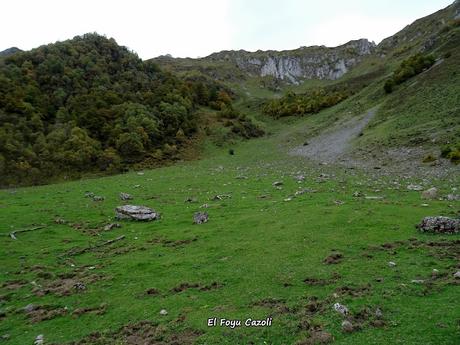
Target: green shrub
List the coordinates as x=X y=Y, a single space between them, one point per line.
x=429 y=158
x=408 y=69
x=451 y=152
x=302 y=104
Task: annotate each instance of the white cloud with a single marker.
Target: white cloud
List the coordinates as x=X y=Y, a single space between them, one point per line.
x=178 y=27
x=342 y=28
x=200 y=27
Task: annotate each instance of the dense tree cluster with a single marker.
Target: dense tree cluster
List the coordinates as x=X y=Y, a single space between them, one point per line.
x=302 y=104
x=409 y=68
x=88 y=104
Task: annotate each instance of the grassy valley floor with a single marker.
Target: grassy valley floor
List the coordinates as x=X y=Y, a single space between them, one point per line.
x=289 y=252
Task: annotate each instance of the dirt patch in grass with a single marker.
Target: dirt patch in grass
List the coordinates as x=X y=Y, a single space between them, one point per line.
x=316 y=281
x=141 y=333
x=41 y=313
x=334 y=258
x=120 y=250
x=354 y=291
x=317 y=337
x=97 y=310
x=185 y=286
x=311 y=281
x=314 y=306
x=366 y=317
x=152 y=292
x=443 y=249
x=278 y=306
x=14 y=284
x=172 y=243
x=5 y=298
x=67 y=284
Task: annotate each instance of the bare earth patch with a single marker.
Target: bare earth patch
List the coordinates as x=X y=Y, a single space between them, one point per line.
x=141 y=333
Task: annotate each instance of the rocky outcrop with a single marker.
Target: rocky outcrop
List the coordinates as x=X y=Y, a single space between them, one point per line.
x=442 y=225
x=294 y=66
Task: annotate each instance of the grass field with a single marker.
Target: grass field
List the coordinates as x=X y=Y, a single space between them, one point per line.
x=262 y=254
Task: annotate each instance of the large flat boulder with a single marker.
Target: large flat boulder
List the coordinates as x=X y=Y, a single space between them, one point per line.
x=136 y=213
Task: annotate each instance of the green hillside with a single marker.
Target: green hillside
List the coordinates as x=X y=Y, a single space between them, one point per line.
x=89 y=105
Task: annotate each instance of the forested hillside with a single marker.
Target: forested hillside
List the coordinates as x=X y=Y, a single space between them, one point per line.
x=88 y=104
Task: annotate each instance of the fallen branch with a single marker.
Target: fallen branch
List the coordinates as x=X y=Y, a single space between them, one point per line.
x=78 y=251
x=13 y=233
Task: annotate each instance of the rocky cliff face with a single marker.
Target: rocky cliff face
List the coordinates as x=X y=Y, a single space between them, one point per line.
x=294 y=66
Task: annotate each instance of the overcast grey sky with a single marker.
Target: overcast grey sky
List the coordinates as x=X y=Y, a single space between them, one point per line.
x=200 y=27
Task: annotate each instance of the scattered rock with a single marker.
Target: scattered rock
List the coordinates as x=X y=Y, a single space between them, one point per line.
x=457 y=275
x=277 y=184
x=341 y=309
x=347 y=326
x=60 y=221
x=29 y=308
x=163 y=312
x=299 y=178
x=221 y=197
x=89 y=194
x=136 y=213
x=200 y=217
x=391 y=264
x=125 y=196
x=111 y=226
x=39 y=340
x=98 y=198
x=415 y=187
x=378 y=313
x=453 y=197
x=374 y=197
x=417 y=281
x=304 y=190
x=439 y=224
x=358 y=194
x=430 y=194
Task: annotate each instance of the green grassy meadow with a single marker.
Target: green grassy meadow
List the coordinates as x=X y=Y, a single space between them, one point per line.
x=250 y=260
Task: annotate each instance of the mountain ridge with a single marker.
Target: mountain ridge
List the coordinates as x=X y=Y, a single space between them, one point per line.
x=294 y=66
